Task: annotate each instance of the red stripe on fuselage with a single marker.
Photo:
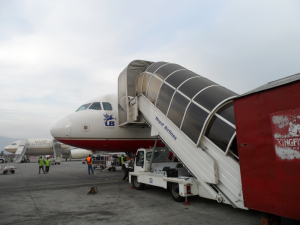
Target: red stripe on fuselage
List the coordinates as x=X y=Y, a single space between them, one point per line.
x=112 y=145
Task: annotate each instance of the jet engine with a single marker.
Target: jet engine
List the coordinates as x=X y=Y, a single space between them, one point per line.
x=80 y=153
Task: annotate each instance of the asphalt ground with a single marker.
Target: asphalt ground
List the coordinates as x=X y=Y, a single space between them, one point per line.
x=60 y=197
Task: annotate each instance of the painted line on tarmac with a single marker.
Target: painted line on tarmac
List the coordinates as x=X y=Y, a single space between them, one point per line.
x=67 y=185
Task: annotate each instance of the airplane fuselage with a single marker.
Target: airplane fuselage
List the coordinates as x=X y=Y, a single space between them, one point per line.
x=95 y=126
x=36 y=146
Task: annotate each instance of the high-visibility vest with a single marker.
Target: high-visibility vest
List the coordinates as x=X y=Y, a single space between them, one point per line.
x=41 y=162
x=89 y=160
x=122 y=160
x=48 y=162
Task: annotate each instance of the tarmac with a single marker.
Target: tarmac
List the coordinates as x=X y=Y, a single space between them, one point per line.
x=60 y=197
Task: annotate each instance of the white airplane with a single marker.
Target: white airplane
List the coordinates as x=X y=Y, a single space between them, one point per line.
x=94 y=126
x=44 y=146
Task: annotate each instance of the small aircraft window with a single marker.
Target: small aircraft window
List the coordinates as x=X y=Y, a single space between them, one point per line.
x=95 y=106
x=83 y=107
x=106 y=106
x=14 y=144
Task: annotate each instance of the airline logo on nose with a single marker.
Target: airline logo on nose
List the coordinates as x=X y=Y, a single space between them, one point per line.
x=108 y=120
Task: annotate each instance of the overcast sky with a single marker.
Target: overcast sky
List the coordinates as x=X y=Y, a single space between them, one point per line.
x=54 y=55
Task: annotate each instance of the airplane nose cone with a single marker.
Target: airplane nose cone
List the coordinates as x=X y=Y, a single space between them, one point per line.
x=61 y=128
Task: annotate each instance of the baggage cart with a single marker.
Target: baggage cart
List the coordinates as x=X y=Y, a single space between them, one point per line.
x=7 y=169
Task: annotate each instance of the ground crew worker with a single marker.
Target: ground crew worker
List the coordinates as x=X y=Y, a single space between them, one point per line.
x=6 y=160
x=70 y=158
x=122 y=163
x=41 y=164
x=89 y=162
x=47 y=165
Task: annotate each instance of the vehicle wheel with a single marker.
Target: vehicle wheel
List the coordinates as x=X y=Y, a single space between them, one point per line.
x=2 y=161
x=12 y=171
x=114 y=169
x=55 y=163
x=94 y=167
x=5 y=172
x=58 y=163
x=136 y=184
x=175 y=193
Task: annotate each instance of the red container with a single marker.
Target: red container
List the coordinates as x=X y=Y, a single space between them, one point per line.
x=268 y=136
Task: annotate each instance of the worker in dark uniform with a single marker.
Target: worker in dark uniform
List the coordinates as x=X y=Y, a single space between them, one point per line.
x=89 y=162
x=41 y=164
x=47 y=165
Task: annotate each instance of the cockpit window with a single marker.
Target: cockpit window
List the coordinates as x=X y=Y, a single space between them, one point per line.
x=14 y=144
x=106 y=106
x=96 y=106
x=83 y=107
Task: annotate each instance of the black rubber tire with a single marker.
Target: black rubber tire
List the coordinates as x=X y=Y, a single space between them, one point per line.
x=114 y=169
x=94 y=167
x=2 y=161
x=175 y=193
x=136 y=184
x=5 y=172
x=12 y=171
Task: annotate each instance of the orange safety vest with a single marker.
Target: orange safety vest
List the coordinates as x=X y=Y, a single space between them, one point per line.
x=89 y=160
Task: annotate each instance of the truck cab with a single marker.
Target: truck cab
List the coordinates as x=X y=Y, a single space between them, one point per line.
x=164 y=171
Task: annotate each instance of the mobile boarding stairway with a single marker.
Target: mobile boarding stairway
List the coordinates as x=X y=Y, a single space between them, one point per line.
x=193 y=116
x=21 y=151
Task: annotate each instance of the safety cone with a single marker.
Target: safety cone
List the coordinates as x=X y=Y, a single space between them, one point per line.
x=131 y=187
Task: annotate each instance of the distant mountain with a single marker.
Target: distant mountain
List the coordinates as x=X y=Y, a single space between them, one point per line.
x=4 y=141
